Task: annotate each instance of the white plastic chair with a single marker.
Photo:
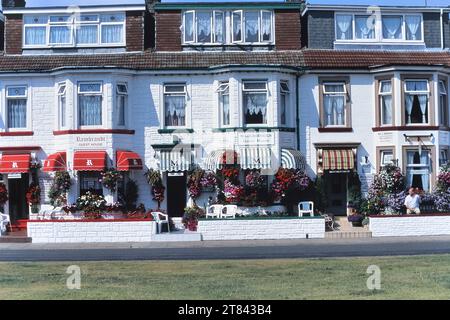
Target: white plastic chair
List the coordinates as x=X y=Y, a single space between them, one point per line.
x=214 y=211
x=4 y=222
x=229 y=211
x=157 y=217
x=306 y=207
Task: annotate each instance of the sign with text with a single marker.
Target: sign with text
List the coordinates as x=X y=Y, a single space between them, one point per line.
x=255 y=138
x=90 y=142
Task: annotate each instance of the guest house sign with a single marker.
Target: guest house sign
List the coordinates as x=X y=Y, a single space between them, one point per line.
x=255 y=138
x=90 y=142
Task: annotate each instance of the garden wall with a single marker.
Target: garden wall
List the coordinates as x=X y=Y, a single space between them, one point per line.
x=262 y=228
x=410 y=225
x=63 y=231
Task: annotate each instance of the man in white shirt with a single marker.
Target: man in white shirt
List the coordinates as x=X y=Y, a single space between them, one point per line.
x=412 y=202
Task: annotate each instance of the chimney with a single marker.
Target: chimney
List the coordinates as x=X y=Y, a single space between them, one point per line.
x=13 y=3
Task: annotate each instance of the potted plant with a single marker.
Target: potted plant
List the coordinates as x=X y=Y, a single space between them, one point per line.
x=59 y=188
x=110 y=178
x=33 y=197
x=3 y=195
x=92 y=205
x=191 y=216
x=154 y=179
x=356 y=219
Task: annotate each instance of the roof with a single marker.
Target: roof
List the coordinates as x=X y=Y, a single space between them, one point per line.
x=308 y=58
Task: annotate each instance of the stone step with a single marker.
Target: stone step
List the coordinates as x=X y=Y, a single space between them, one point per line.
x=15 y=239
x=179 y=236
x=348 y=234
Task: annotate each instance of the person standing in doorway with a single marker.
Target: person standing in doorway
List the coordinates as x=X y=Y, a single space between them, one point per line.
x=412 y=202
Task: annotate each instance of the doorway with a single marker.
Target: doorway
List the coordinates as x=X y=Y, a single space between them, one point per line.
x=176 y=194
x=336 y=188
x=17 y=189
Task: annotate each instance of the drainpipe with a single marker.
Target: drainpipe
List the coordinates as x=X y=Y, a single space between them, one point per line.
x=442 y=29
x=297 y=108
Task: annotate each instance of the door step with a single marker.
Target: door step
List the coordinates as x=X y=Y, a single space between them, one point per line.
x=348 y=234
x=15 y=239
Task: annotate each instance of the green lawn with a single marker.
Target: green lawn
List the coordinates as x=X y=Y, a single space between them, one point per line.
x=424 y=277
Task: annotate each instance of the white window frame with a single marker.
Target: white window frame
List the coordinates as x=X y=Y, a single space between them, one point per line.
x=241 y=14
x=382 y=94
x=383 y=154
x=221 y=90
x=378 y=28
x=193 y=26
x=266 y=90
x=287 y=94
x=420 y=167
x=443 y=156
x=442 y=91
x=343 y=93
x=73 y=23
x=28 y=111
x=183 y=93
x=124 y=94
x=62 y=116
x=406 y=92
x=90 y=93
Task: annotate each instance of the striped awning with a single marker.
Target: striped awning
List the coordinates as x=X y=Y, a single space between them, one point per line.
x=292 y=159
x=175 y=160
x=15 y=163
x=338 y=159
x=214 y=160
x=255 y=158
x=55 y=162
x=127 y=160
x=89 y=160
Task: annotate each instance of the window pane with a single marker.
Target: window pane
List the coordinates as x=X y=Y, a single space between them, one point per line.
x=237 y=21
x=122 y=88
x=16 y=91
x=334 y=88
x=204 y=27
x=413 y=29
x=387 y=157
x=251 y=26
x=60 y=35
x=121 y=101
x=62 y=106
x=386 y=109
x=88 y=18
x=87 y=34
x=189 y=26
x=283 y=102
x=416 y=85
x=255 y=85
x=266 y=26
x=284 y=86
x=219 y=27
x=36 y=19
x=225 y=107
x=344 y=30
x=392 y=27
x=90 y=87
x=17 y=113
x=59 y=19
x=90 y=110
x=116 y=17
x=334 y=108
x=35 y=35
x=90 y=181
x=364 y=28
x=175 y=108
x=385 y=87
x=442 y=87
x=255 y=107
x=112 y=33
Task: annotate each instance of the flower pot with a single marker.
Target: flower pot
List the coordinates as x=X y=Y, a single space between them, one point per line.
x=357 y=224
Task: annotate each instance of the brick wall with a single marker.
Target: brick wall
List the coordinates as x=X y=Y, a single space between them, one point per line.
x=260 y=229
x=135 y=31
x=287 y=29
x=2 y=35
x=432 y=29
x=13 y=34
x=406 y=226
x=168 y=33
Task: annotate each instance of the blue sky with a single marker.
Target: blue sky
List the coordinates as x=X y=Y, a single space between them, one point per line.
x=37 y=3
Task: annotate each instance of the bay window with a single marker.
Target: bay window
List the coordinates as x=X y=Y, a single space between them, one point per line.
x=224 y=103
x=121 y=103
x=90 y=104
x=255 y=99
x=175 y=105
x=334 y=101
x=69 y=30
x=418 y=169
x=443 y=103
x=16 y=102
x=385 y=102
x=284 y=102
x=62 y=106
x=416 y=101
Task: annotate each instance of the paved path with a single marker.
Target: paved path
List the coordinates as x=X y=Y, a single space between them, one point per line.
x=226 y=249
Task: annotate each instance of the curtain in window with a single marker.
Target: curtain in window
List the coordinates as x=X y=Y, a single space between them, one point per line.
x=175 y=109
x=35 y=35
x=87 y=34
x=412 y=27
x=62 y=105
x=218 y=27
x=60 y=34
x=363 y=31
x=204 y=27
x=251 y=27
x=17 y=113
x=344 y=23
x=392 y=27
x=225 y=104
x=409 y=100
x=387 y=109
x=283 y=109
x=237 y=32
x=266 y=26
x=255 y=105
x=424 y=159
x=112 y=33
x=409 y=170
x=189 y=26
x=90 y=110
x=423 y=102
x=121 y=110
x=328 y=104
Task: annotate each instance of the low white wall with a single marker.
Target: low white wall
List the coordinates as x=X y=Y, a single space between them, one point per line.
x=411 y=225
x=259 y=229
x=91 y=231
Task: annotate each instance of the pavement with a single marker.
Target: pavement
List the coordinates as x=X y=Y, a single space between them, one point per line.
x=210 y=250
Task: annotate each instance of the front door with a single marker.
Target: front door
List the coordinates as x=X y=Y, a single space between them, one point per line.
x=17 y=189
x=176 y=194
x=337 y=193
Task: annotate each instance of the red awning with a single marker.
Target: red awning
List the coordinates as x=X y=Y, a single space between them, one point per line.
x=55 y=162
x=15 y=163
x=127 y=160
x=89 y=160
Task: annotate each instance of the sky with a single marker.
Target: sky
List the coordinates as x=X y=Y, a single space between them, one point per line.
x=39 y=3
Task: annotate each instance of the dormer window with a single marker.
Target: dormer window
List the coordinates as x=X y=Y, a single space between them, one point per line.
x=390 y=28
x=228 y=27
x=84 y=30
